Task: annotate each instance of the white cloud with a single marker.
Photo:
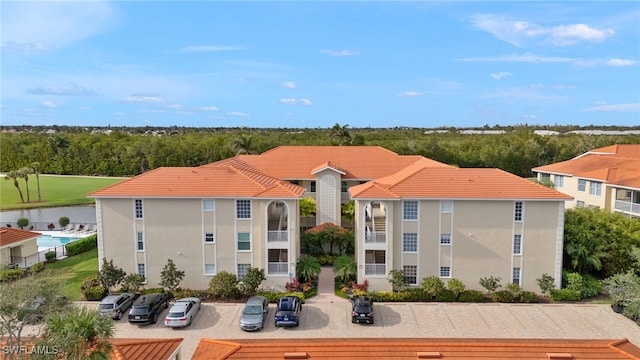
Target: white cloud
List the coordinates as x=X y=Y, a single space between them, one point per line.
x=529 y=117
x=208 y=108
x=48 y=104
x=211 y=48
x=519 y=93
x=345 y=52
x=237 y=114
x=288 y=85
x=294 y=101
x=68 y=89
x=500 y=75
x=410 y=94
x=531 y=58
x=620 y=62
x=144 y=98
x=306 y=102
x=516 y=32
x=629 y=107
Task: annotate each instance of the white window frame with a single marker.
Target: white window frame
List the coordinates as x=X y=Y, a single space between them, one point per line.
x=243 y=209
x=211 y=236
x=445 y=239
x=410 y=210
x=208 y=205
x=410 y=242
x=141 y=266
x=446 y=206
x=595 y=188
x=140 y=241
x=579 y=204
x=559 y=181
x=137 y=206
x=241 y=273
x=517 y=244
x=445 y=271
x=210 y=266
x=516 y=275
x=411 y=274
x=518 y=211
x=582 y=185
x=243 y=242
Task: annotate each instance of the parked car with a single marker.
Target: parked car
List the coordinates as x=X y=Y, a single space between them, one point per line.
x=182 y=312
x=288 y=311
x=147 y=308
x=115 y=305
x=362 y=310
x=254 y=313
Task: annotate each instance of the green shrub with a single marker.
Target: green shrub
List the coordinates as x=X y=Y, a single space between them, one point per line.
x=591 y=287
x=224 y=285
x=456 y=285
x=503 y=296
x=432 y=286
x=565 y=295
x=528 y=297
x=471 y=296
x=50 y=256
x=11 y=274
x=36 y=268
x=80 y=246
x=490 y=283
x=416 y=295
x=89 y=282
x=153 y=290
x=22 y=223
x=446 y=295
x=95 y=293
x=326 y=259
x=63 y=221
x=546 y=283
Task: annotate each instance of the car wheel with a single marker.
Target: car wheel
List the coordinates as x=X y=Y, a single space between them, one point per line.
x=166 y=304
x=118 y=315
x=154 y=318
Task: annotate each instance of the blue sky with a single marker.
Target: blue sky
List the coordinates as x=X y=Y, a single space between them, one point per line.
x=314 y=64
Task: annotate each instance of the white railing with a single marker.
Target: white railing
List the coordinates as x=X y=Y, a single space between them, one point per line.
x=627 y=207
x=375 y=238
x=277 y=236
x=274 y=268
x=375 y=269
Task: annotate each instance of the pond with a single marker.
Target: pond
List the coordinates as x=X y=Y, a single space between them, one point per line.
x=41 y=218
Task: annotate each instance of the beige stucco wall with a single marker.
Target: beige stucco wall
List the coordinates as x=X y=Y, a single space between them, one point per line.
x=5 y=256
x=570 y=187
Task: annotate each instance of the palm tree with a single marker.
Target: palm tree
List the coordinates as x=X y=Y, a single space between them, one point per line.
x=308 y=268
x=340 y=135
x=24 y=174
x=15 y=175
x=80 y=334
x=35 y=167
x=345 y=268
x=244 y=145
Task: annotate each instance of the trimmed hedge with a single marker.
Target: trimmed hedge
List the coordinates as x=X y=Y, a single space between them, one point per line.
x=503 y=296
x=80 y=246
x=565 y=295
x=11 y=274
x=471 y=296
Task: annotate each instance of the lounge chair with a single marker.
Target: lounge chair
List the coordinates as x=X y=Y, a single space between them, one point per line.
x=68 y=228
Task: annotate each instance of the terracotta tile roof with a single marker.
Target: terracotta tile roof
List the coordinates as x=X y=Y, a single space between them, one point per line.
x=357 y=162
x=402 y=348
x=10 y=236
x=616 y=164
x=228 y=179
x=417 y=181
x=143 y=349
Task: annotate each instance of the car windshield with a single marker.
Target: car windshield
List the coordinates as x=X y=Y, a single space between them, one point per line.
x=363 y=309
x=139 y=310
x=286 y=312
x=176 y=314
x=105 y=306
x=252 y=310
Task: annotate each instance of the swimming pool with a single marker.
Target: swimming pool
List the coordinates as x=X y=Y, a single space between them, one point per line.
x=48 y=241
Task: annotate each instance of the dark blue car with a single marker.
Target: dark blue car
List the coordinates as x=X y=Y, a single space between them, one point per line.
x=288 y=311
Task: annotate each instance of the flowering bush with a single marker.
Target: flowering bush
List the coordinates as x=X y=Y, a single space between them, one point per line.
x=292 y=285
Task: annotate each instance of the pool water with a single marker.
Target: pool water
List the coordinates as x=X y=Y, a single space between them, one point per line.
x=48 y=241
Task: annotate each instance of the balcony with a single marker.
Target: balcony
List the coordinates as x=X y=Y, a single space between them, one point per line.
x=278 y=236
x=277 y=268
x=375 y=269
x=375 y=238
x=627 y=207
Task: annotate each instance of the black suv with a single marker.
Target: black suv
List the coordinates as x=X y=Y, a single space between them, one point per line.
x=147 y=308
x=362 y=311
x=288 y=311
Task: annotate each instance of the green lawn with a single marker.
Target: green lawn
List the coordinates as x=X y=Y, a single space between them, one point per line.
x=55 y=191
x=72 y=271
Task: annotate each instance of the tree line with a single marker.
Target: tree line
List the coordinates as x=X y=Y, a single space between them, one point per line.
x=131 y=151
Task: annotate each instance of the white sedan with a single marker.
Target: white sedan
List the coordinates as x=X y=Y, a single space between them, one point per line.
x=182 y=312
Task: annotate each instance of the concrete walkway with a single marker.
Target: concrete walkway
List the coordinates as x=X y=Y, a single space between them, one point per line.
x=326 y=286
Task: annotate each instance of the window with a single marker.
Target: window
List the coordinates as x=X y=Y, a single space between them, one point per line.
x=295 y=182
x=140 y=241
x=446 y=206
x=559 y=181
x=518 y=211
x=242 y=270
x=243 y=209
x=209 y=237
x=445 y=271
x=410 y=242
x=344 y=187
x=138 y=209
x=410 y=211
x=582 y=184
x=209 y=269
x=375 y=262
x=244 y=242
x=312 y=188
x=517 y=244
x=208 y=205
x=516 y=275
x=141 y=270
x=445 y=239
x=580 y=204
x=411 y=274
x=278 y=261
x=595 y=188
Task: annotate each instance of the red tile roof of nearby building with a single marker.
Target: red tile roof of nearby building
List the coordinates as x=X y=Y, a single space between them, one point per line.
x=10 y=236
x=453 y=183
x=143 y=349
x=402 y=348
x=615 y=164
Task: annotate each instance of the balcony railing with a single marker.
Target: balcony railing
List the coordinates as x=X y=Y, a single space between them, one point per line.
x=375 y=269
x=275 y=268
x=277 y=236
x=628 y=207
x=375 y=238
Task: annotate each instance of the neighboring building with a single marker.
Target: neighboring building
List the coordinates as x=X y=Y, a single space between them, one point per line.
x=607 y=177
x=16 y=245
x=412 y=213
x=145 y=349
x=411 y=349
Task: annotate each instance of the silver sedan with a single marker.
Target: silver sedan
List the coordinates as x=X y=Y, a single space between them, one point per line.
x=182 y=312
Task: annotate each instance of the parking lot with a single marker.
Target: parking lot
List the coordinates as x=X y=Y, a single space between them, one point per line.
x=329 y=316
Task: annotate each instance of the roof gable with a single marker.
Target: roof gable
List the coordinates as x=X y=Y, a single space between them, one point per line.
x=143 y=349
x=10 y=236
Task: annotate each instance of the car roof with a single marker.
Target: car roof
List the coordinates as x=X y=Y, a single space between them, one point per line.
x=256 y=300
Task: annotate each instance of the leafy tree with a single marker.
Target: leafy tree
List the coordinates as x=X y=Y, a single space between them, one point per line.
x=330 y=234
x=63 y=221
x=22 y=223
x=490 y=283
x=432 y=286
x=348 y=210
x=110 y=275
x=14 y=176
x=35 y=169
x=623 y=287
x=344 y=268
x=397 y=280
x=307 y=206
x=24 y=174
x=80 y=334
x=308 y=268
x=132 y=283
x=170 y=276
x=340 y=135
x=252 y=280
x=546 y=283
x=244 y=145
x=224 y=285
